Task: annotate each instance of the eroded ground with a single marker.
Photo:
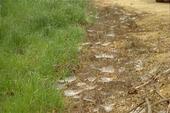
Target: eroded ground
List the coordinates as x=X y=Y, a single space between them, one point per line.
x=125 y=61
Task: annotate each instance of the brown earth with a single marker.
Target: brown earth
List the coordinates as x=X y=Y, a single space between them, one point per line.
x=125 y=61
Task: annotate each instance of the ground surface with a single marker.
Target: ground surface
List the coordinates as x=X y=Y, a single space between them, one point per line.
x=125 y=61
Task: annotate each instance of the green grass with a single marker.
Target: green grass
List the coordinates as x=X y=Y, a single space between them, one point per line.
x=38 y=40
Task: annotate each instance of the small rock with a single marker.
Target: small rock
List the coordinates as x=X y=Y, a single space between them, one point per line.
x=70 y=93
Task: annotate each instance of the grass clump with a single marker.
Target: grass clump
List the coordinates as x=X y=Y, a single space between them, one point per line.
x=36 y=37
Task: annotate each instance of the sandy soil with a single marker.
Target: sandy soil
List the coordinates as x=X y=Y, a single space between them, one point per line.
x=125 y=61
x=149 y=6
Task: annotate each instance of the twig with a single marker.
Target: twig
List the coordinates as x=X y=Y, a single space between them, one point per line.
x=168 y=109
x=136 y=107
x=142 y=109
x=153 y=78
x=149 y=105
x=163 y=73
x=157 y=92
x=144 y=84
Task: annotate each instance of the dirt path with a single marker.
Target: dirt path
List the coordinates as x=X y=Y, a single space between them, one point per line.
x=127 y=46
x=149 y=6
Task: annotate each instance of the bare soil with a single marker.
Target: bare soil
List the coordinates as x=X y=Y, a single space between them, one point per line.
x=125 y=61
